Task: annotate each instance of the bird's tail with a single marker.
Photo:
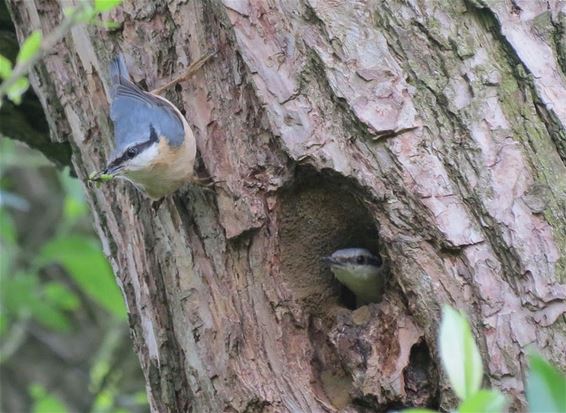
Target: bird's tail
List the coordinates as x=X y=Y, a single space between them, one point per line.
x=118 y=70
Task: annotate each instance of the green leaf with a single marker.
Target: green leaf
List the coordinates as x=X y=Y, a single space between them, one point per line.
x=16 y=91
x=5 y=67
x=18 y=292
x=103 y=401
x=60 y=296
x=49 y=404
x=45 y=402
x=105 y=5
x=37 y=391
x=73 y=209
x=49 y=316
x=83 y=259
x=546 y=387
x=30 y=47
x=459 y=353
x=484 y=401
x=7 y=228
x=98 y=372
x=418 y=411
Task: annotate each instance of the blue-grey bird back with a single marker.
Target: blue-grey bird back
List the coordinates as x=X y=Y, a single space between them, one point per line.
x=133 y=110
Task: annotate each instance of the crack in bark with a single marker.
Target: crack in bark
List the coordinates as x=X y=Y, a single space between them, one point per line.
x=559 y=38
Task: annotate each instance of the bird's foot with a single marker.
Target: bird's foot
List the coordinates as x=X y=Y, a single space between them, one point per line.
x=206 y=182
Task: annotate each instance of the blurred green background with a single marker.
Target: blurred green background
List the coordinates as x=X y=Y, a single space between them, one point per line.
x=65 y=343
x=64 y=337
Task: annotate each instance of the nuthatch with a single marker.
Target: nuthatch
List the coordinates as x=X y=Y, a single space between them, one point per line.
x=155 y=148
x=361 y=272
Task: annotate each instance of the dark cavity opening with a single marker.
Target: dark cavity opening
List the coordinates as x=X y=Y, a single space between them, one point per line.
x=421 y=377
x=318 y=214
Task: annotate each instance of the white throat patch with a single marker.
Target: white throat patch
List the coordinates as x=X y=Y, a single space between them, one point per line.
x=143 y=160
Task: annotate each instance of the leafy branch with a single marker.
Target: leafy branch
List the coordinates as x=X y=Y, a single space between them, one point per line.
x=35 y=46
x=461 y=360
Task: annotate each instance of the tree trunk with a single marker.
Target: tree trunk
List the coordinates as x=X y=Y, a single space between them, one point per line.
x=432 y=132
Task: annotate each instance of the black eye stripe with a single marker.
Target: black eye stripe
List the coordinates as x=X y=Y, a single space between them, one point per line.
x=134 y=150
x=140 y=147
x=374 y=261
x=144 y=145
x=152 y=134
x=366 y=260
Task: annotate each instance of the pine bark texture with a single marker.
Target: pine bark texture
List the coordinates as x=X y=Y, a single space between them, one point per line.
x=430 y=131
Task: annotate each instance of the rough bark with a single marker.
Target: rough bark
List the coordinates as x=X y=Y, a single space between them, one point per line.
x=431 y=131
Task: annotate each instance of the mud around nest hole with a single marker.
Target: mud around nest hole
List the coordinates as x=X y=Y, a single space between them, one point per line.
x=320 y=213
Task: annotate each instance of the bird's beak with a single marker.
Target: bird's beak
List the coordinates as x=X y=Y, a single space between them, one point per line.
x=329 y=260
x=112 y=170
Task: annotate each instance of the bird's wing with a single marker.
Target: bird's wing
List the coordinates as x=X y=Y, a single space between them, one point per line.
x=133 y=111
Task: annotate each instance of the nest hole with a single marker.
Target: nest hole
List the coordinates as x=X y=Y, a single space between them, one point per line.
x=318 y=214
x=420 y=377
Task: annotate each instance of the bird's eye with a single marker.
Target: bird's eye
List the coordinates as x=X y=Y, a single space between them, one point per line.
x=131 y=152
x=360 y=259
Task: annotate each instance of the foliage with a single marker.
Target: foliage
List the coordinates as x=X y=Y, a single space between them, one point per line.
x=29 y=47
x=61 y=276
x=43 y=402
x=83 y=260
x=24 y=296
x=14 y=83
x=459 y=354
x=546 y=387
x=57 y=288
x=462 y=362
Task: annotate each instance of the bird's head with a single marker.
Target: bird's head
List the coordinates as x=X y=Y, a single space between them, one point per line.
x=135 y=157
x=354 y=260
